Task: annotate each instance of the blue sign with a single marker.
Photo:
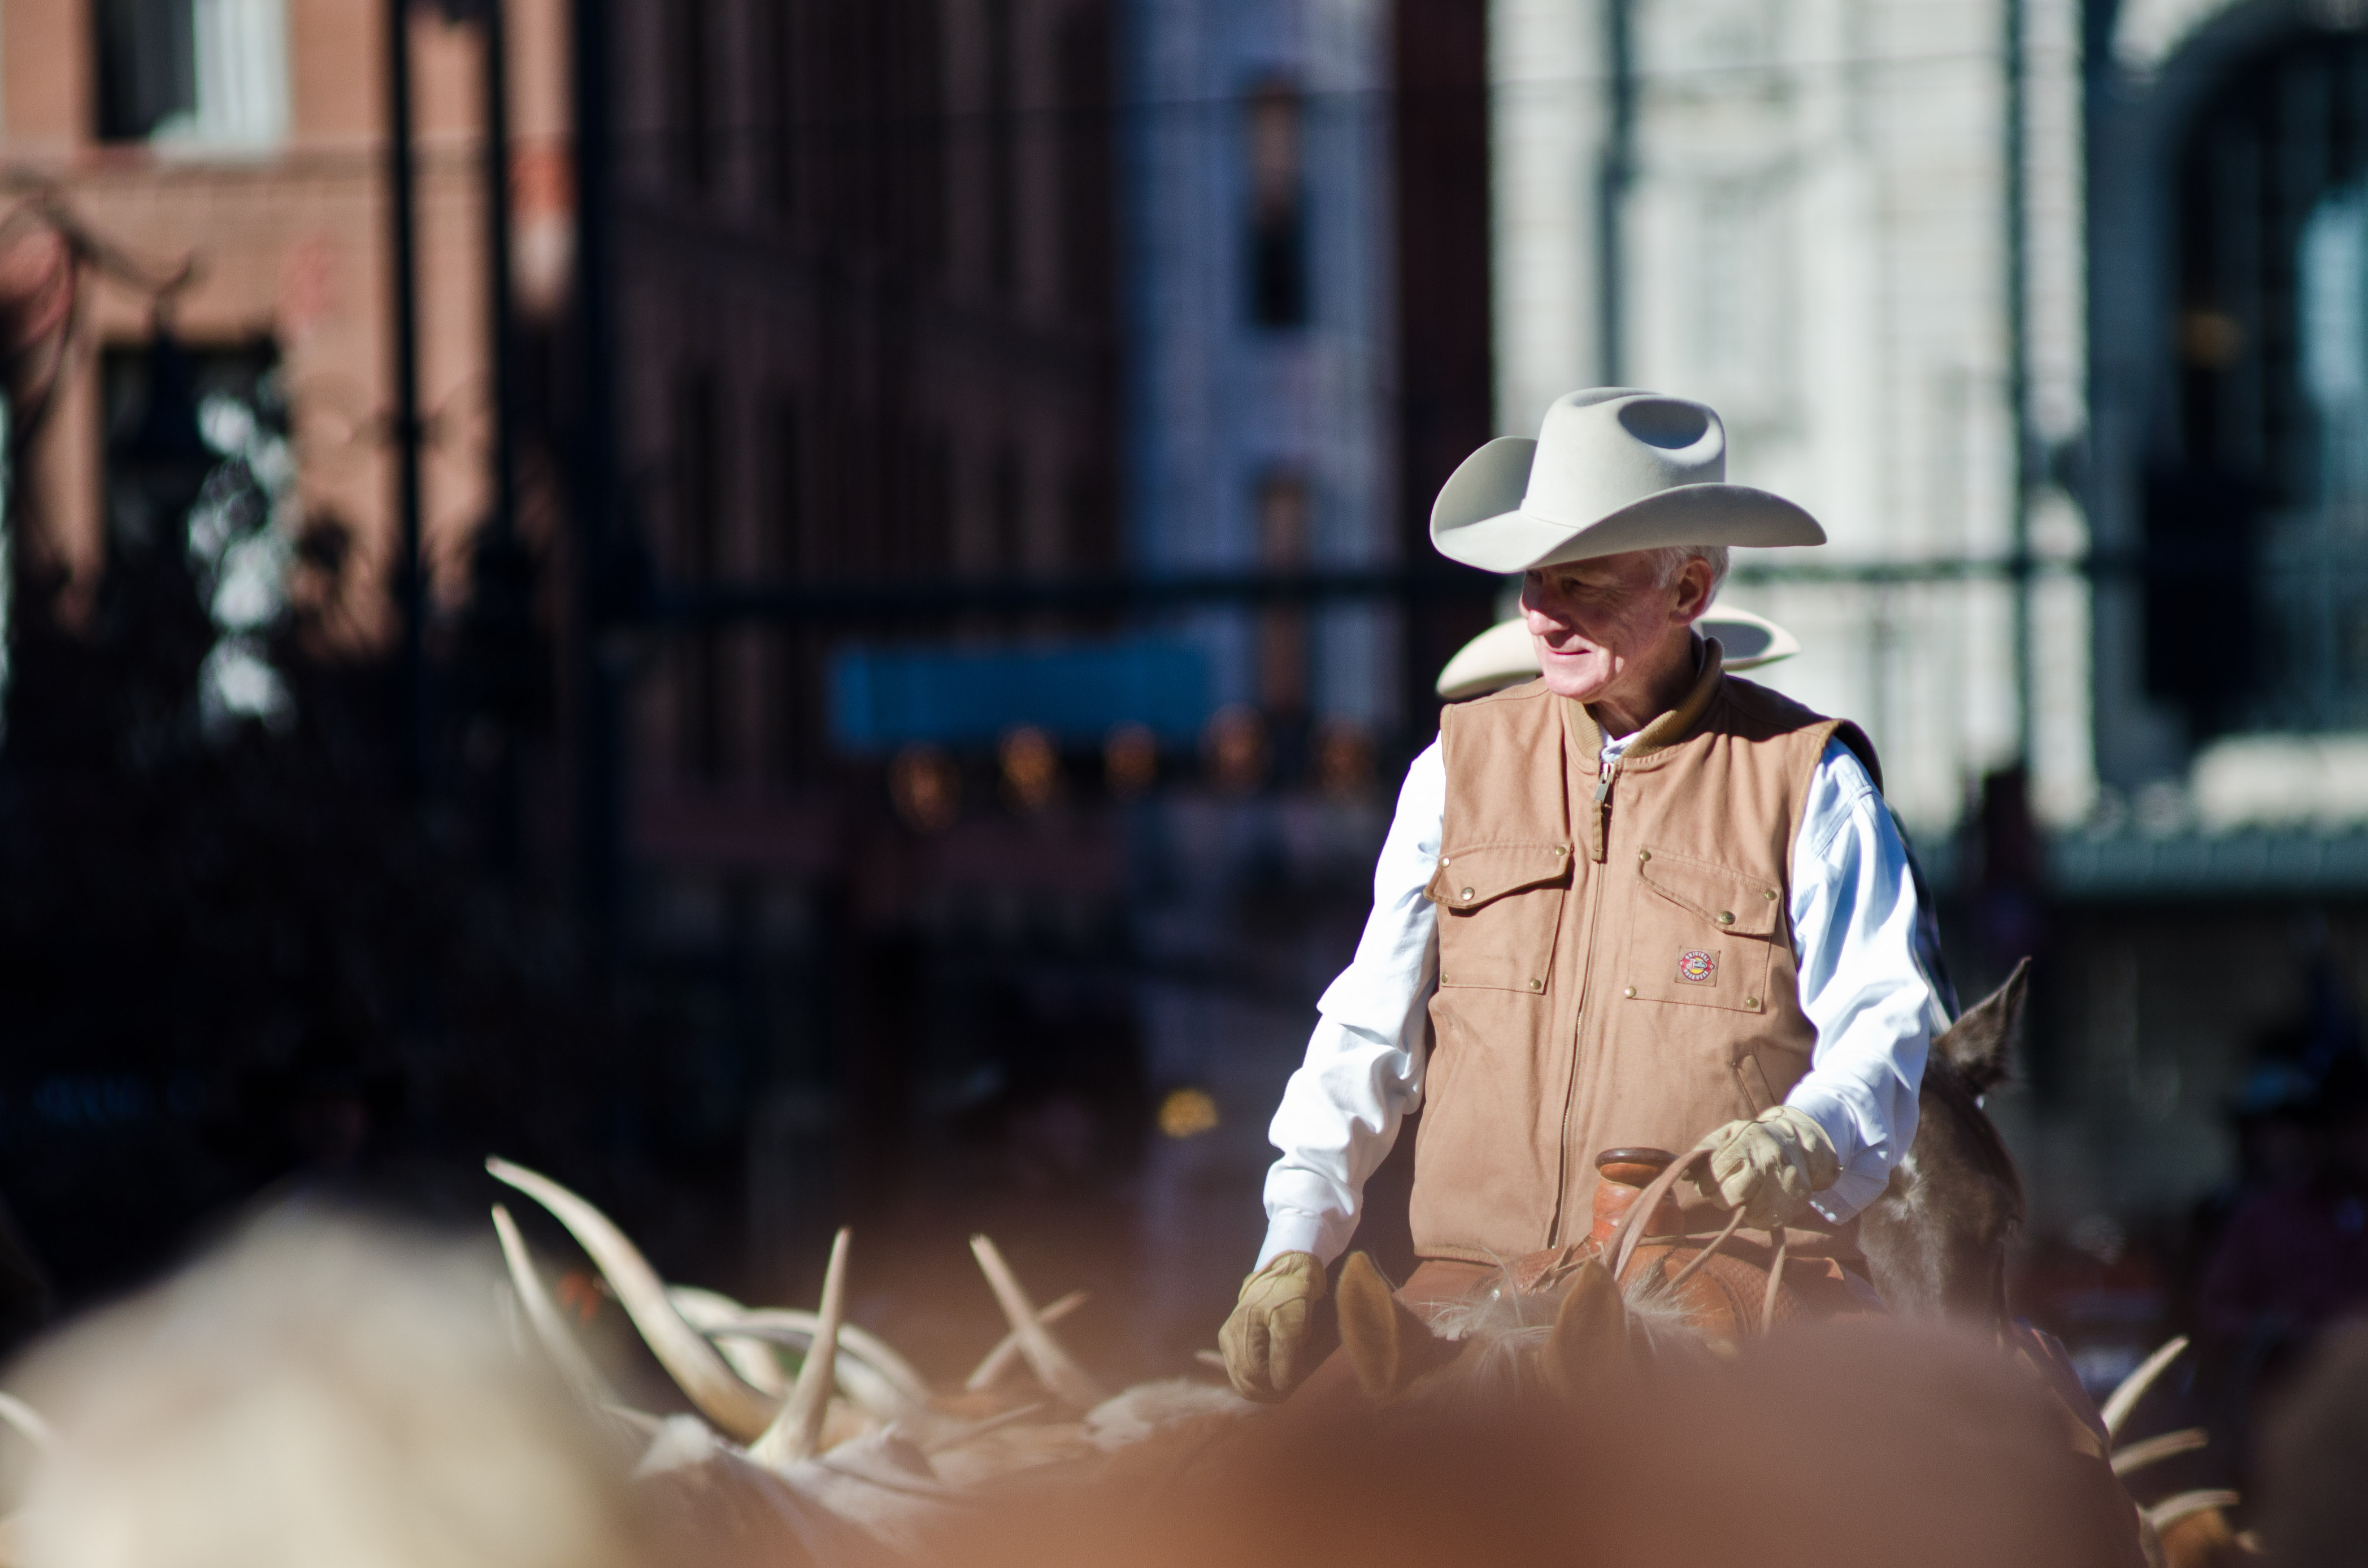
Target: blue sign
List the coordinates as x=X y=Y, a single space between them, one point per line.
x=882 y=698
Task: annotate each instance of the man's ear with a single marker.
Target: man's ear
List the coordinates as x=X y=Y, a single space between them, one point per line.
x=1693 y=589
x=1388 y=1343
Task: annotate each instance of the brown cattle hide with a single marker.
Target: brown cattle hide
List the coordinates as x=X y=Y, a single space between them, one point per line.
x=1826 y=1447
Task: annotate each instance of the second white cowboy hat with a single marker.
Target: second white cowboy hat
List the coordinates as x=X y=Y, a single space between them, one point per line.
x=1505 y=655
x=1613 y=470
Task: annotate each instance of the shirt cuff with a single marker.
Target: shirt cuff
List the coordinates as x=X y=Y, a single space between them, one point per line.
x=1852 y=1191
x=1833 y=1113
x=1857 y=1186
x=1291 y=1229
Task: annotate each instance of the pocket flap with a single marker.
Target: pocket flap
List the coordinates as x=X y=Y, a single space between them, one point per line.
x=1470 y=879
x=1728 y=899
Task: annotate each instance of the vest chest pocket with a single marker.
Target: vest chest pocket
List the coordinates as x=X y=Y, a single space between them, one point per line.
x=1498 y=907
x=1700 y=934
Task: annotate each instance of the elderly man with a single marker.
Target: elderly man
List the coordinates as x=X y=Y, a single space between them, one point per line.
x=1635 y=903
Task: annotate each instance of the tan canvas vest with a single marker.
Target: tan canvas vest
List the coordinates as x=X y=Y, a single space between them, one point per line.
x=1616 y=966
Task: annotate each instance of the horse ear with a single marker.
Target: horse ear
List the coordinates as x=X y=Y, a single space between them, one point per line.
x=1587 y=1349
x=1388 y=1343
x=1981 y=1044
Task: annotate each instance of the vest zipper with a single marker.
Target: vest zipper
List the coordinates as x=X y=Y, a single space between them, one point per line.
x=1586 y=994
x=1604 y=808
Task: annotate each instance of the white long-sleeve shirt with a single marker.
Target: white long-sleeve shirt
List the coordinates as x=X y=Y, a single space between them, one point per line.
x=1854 y=913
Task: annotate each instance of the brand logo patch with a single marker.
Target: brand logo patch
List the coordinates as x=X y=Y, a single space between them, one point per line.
x=1697 y=967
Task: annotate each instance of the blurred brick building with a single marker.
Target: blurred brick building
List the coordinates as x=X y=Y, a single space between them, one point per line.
x=868 y=326
x=883 y=293
x=867 y=337
x=245 y=142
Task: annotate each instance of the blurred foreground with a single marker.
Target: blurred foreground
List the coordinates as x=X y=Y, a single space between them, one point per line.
x=323 y=1389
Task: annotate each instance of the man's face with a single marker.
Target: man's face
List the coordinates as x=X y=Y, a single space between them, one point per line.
x=1605 y=625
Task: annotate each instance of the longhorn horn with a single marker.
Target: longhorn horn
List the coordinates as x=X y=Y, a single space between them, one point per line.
x=960 y=1434
x=1050 y=1364
x=2154 y=1450
x=712 y=1312
x=741 y=1410
x=870 y=1374
x=2125 y=1398
x=542 y=1315
x=2170 y=1510
x=797 y=1433
x=27 y=1423
x=997 y=1361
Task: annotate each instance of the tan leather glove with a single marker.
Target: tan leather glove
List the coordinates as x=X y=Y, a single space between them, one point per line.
x=1767 y=1166
x=1267 y=1340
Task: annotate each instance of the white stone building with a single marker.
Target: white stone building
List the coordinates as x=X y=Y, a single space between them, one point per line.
x=1812 y=236
x=1822 y=232
x=1258 y=319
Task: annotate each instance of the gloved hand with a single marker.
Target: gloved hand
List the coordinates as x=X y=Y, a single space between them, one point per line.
x=1767 y=1166
x=1267 y=1340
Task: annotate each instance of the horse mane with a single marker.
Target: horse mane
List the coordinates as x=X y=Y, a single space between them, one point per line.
x=1934 y=1240
x=1952 y=1086
x=1503 y=1329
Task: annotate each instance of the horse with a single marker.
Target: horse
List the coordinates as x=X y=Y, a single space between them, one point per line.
x=1936 y=1240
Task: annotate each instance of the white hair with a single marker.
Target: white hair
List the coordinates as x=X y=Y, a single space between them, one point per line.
x=1670 y=560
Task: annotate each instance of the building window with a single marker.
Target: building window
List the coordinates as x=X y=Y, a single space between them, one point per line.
x=1084 y=63
x=691 y=118
x=919 y=134
x=929 y=497
x=1741 y=327
x=1277 y=206
x=776 y=97
x=1089 y=520
x=200 y=498
x=2261 y=492
x=1285 y=513
x=794 y=720
x=1002 y=152
x=1007 y=513
x=194 y=73
x=842 y=441
x=791 y=550
x=699 y=542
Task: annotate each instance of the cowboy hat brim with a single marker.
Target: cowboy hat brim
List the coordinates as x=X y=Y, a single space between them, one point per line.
x=1505 y=655
x=1478 y=518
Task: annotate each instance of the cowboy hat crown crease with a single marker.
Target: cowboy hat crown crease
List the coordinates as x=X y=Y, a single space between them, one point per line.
x=1614 y=469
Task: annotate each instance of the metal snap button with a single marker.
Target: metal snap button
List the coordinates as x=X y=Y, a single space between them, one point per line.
x=1631 y=992
x=1467 y=895
x=1642 y=855
x=1726 y=917
x=1751 y=1000
x=1768 y=894
x=1537 y=986
x=1446 y=860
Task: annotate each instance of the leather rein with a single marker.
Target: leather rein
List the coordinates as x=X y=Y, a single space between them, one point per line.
x=1631 y=1235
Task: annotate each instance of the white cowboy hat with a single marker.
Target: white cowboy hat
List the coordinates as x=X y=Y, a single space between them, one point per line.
x=1612 y=469
x=1505 y=655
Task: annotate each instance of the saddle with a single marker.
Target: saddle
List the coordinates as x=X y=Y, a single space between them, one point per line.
x=1729 y=1285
